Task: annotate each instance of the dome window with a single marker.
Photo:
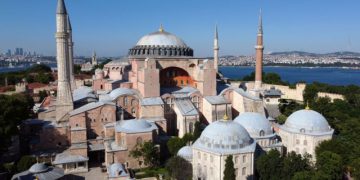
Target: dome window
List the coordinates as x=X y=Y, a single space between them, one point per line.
x=262 y=133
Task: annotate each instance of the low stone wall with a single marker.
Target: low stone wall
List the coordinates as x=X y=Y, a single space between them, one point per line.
x=332 y=96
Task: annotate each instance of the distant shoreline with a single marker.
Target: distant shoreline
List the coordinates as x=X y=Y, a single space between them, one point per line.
x=308 y=67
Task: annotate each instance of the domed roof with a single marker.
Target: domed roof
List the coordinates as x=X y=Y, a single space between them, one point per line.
x=161 y=38
x=135 y=126
x=225 y=137
x=116 y=170
x=185 y=152
x=38 y=168
x=307 y=121
x=255 y=124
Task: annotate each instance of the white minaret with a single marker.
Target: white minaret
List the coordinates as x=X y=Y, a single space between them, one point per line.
x=94 y=59
x=64 y=101
x=216 y=49
x=71 y=55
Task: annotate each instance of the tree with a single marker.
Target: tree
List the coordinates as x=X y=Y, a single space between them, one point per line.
x=293 y=163
x=25 y=163
x=179 y=168
x=14 y=109
x=197 y=131
x=329 y=164
x=42 y=95
x=148 y=152
x=302 y=175
x=310 y=93
x=355 y=168
x=269 y=166
x=229 y=171
x=174 y=144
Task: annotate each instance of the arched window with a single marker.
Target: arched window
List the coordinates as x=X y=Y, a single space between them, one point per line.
x=244 y=158
x=125 y=101
x=243 y=171
x=262 y=133
x=139 y=140
x=302 y=130
x=133 y=112
x=305 y=142
x=191 y=127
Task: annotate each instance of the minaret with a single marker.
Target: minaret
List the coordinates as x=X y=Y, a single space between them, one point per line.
x=71 y=55
x=259 y=55
x=64 y=101
x=94 y=60
x=216 y=49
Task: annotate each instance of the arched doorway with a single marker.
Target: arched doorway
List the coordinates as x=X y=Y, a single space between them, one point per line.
x=175 y=77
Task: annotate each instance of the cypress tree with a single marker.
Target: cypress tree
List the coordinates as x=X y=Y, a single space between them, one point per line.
x=229 y=172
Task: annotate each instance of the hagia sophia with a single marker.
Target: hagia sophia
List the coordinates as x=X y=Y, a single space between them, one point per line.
x=159 y=90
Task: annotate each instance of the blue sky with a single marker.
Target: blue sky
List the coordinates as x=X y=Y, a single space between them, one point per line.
x=111 y=27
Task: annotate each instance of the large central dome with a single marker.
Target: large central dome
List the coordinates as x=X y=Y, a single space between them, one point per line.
x=160 y=44
x=161 y=38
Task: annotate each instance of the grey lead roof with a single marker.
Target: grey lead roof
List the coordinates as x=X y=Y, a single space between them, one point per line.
x=152 y=101
x=217 y=100
x=66 y=157
x=61 y=8
x=272 y=92
x=186 y=107
x=90 y=106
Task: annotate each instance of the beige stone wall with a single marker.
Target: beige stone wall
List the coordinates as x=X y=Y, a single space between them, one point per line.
x=211 y=166
x=152 y=111
x=294 y=94
x=213 y=113
x=332 y=96
x=130 y=141
x=81 y=152
x=78 y=136
x=301 y=143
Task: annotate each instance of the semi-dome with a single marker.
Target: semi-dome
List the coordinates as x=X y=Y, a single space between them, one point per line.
x=307 y=121
x=135 y=126
x=38 y=168
x=255 y=123
x=185 y=152
x=225 y=137
x=160 y=43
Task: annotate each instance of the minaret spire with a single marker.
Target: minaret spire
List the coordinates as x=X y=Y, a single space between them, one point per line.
x=260 y=29
x=216 y=48
x=71 y=55
x=259 y=55
x=64 y=100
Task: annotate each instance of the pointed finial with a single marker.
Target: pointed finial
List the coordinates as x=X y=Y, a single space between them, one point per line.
x=61 y=8
x=216 y=32
x=307 y=105
x=260 y=30
x=161 y=29
x=225 y=117
x=69 y=23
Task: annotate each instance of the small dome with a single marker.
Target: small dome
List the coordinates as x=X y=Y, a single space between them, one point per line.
x=307 y=121
x=185 y=152
x=116 y=170
x=161 y=38
x=135 y=126
x=225 y=137
x=255 y=123
x=38 y=168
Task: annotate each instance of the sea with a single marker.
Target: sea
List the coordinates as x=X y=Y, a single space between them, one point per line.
x=331 y=75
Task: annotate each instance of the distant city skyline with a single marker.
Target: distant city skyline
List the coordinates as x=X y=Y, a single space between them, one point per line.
x=110 y=28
